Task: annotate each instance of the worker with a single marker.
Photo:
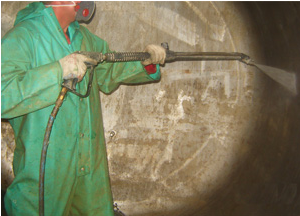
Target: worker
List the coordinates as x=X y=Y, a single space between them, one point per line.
x=37 y=55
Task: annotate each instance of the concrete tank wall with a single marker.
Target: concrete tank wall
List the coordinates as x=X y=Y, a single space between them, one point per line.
x=211 y=138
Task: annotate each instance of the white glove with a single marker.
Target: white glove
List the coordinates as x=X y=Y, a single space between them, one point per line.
x=157 y=55
x=74 y=66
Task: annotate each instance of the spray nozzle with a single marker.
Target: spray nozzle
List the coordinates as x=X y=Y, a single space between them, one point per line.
x=246 y=59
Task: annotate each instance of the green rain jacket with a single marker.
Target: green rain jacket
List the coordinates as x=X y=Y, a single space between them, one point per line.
x=76 y=179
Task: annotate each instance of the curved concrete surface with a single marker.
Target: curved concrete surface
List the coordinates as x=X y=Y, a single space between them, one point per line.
x=211 y=138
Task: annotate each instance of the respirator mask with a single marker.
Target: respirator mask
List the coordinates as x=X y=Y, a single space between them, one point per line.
x=84 y=9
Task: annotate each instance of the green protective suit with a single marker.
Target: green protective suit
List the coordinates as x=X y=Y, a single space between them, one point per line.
x=76 y=179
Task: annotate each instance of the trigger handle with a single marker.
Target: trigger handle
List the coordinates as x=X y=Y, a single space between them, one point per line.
x=70 y=84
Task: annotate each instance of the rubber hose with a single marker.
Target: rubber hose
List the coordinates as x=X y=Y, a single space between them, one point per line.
x=58 y=104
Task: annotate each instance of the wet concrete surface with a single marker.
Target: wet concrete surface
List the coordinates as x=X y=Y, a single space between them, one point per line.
x=211 y=138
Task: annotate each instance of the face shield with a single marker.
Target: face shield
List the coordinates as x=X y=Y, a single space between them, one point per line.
x=84 y=9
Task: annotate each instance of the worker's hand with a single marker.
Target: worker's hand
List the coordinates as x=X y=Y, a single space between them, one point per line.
x=74 y=66
x=157 y=55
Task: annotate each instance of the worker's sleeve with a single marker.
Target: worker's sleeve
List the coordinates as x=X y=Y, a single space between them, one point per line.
x=111 y=75
x=153 y=71
x=26 y=87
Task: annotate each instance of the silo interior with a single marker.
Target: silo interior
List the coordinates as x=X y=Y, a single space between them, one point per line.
x=212 y=137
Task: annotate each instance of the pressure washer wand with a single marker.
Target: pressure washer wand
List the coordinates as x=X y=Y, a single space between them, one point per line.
x=286 y=79
x=171 y=56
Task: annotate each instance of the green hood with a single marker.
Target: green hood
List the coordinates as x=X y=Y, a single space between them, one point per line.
x=32 y=10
